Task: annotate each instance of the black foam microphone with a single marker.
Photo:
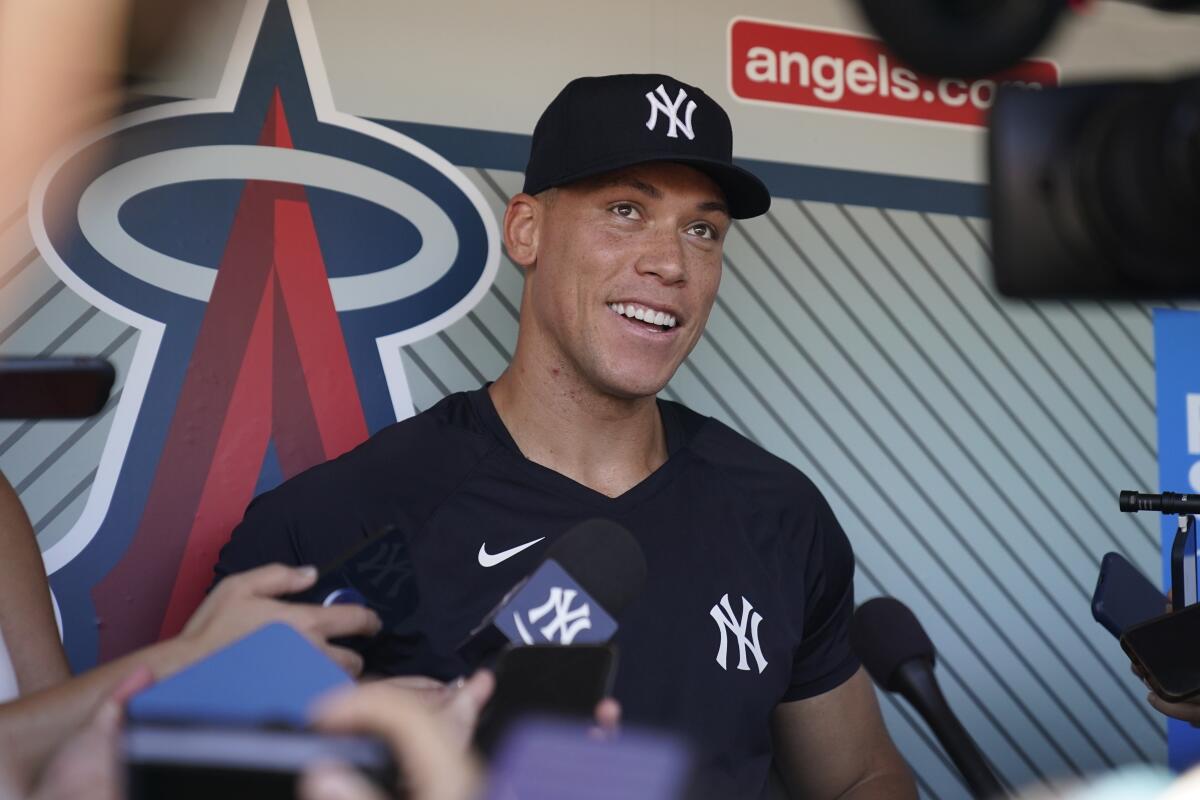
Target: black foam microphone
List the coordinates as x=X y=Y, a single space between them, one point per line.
x=574 y=596
x=900 y=657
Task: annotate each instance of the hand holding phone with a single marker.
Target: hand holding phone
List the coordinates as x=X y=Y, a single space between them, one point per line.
x=1164 y=651
x=546 y=680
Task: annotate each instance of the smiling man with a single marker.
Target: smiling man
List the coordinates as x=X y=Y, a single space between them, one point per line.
x=740 y=639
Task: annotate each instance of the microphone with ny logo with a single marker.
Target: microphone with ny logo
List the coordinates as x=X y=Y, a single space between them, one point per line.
x=548 y=639
x=573 y=597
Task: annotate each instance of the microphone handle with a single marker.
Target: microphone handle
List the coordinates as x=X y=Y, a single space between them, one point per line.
x=915 y=680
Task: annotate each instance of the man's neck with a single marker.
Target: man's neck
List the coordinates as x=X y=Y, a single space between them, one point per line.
x=609 y=444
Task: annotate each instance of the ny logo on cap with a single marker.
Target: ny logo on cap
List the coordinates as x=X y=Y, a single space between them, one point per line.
x=670 y=109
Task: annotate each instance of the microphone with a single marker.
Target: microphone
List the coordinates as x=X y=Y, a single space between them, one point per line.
x=574 y=596
x=900 y=657
x=1167 y=502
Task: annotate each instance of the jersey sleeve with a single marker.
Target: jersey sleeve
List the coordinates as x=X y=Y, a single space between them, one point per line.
x=308 y=520
x=824 y=659
x=264 y=536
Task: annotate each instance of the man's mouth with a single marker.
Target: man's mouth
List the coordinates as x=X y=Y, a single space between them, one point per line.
x=651 y=316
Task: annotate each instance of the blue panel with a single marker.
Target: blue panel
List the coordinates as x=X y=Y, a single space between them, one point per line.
x=1177 y=356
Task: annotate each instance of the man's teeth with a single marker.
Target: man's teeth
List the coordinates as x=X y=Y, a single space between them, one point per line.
x=644 y=314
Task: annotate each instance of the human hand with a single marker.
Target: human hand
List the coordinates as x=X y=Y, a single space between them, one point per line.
x=1187 y=711
x=460 y=703
x=412 y=716
x=247 y=601
x=457 y=705
x=608 y=718
x=87 y=764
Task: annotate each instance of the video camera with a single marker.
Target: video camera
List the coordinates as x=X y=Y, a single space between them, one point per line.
x=1094 y=188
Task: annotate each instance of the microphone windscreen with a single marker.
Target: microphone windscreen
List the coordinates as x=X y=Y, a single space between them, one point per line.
x=885 y=634
x=606 y=561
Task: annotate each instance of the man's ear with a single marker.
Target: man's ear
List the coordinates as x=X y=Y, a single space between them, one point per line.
x=522 y=219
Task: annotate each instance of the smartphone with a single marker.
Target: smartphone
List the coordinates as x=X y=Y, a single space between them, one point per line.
x=1124 y=596
x=1164 y=648
x=54 y=388
x=201 y=762
x=545 y=680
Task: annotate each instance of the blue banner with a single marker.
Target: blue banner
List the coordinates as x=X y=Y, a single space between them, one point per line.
x=1177 y=364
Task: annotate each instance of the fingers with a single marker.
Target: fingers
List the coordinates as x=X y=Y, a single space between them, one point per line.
x=1188 y=712
x=350 y=661
x=272 y=580
x=608 y=715
x=460 y=712
x=416 y=683
x=478 y=689
x=433 y=764
x=335 y=782
x=332 y=622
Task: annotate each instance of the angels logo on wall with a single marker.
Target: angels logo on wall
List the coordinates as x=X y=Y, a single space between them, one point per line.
x=274 y=255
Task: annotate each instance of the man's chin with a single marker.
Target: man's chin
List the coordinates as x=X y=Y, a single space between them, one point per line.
x=635 y=388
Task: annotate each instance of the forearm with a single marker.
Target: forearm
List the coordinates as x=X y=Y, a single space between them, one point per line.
x=891 y=783
x=26 y=614
x=34 y=726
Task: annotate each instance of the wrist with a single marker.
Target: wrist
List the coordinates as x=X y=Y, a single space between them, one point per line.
x=168 y=657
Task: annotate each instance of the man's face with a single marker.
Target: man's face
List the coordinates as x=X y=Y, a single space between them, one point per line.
x=643 y=241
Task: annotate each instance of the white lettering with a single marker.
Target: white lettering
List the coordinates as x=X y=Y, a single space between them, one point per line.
x=760 y=65
x=787 y=60
x=943 y=91
x=983 y=94
x=1193 y=424
x=830 y=84
x=834 y=79
x=860 y=77
x=907 y=88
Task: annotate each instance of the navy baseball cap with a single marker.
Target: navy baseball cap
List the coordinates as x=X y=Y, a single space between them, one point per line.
x=596 y=125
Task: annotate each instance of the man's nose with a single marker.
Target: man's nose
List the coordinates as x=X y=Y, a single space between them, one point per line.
x=663 y=257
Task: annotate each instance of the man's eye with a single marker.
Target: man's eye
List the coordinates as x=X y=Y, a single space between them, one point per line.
x=627 y=210
x=703 y=230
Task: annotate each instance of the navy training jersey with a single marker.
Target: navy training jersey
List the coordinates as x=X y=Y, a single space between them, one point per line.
x=748 y=593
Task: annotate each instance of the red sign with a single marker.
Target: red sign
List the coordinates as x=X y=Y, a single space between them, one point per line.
x=794 y=65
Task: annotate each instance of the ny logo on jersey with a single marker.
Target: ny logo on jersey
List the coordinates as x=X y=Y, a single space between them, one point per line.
x=723 y=614
x=390 y=565
x=566 y=622
x=670 y=109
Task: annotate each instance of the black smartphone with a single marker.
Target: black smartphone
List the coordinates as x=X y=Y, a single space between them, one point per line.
x=554 y=680
x=197 y=762
x=1124 y=596
x=54 y=388
x=1164 y=648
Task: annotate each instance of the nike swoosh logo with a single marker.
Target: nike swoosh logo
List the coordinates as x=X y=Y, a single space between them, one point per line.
x=487 y=559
